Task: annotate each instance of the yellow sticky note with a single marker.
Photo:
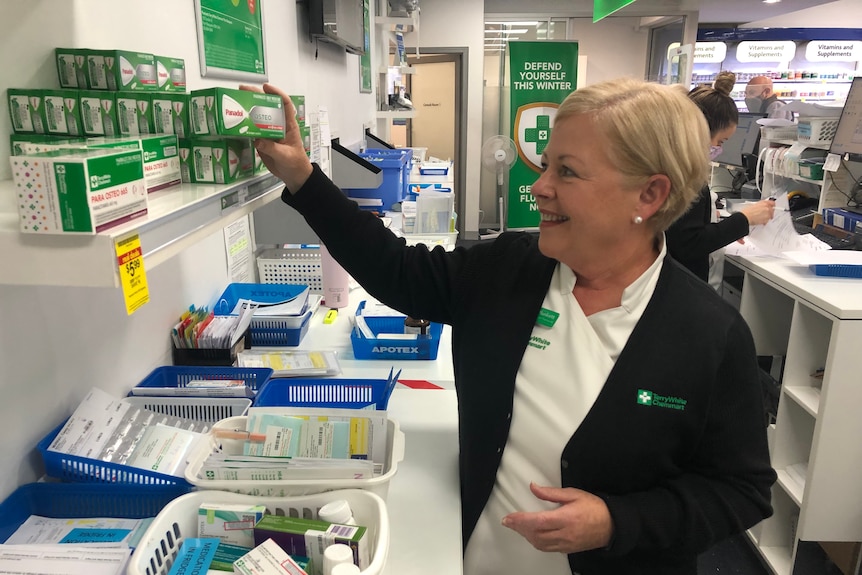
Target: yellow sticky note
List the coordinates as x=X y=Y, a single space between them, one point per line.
x=133 y=278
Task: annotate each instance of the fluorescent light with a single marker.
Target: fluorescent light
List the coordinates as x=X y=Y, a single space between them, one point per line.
x=494 y=45
x=771 y=1
x=513 y=31
x=526 y=23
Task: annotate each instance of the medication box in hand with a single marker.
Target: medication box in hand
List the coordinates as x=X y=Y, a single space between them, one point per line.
x=237 y=113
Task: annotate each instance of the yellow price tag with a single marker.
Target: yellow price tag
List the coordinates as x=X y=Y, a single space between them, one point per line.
x=130 y=260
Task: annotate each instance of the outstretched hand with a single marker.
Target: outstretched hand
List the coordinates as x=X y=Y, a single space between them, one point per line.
x=285 y=158
x=581 y=522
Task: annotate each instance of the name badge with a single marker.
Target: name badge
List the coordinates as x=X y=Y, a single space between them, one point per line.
x=547 y=318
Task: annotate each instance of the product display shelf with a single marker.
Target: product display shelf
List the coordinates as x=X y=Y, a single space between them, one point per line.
x=814 y=323
x=177 y=217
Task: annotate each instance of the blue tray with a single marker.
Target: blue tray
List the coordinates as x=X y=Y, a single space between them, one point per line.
x=76 y=500
x=181 y=375
x=335 y=393
x=264 y=330
x=837 y=270
x=423 y=347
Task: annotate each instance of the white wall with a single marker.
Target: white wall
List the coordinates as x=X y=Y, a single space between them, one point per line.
x=841 y=14
x=56 y=343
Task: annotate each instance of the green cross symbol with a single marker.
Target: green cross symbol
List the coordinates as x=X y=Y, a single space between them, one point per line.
x=540 y=134
x=644 y=397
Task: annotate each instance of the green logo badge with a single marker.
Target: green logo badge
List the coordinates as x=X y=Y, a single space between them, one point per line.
x=652 y=399
x=547 y=318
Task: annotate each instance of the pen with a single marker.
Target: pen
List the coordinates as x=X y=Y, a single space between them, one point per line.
x=238 y=434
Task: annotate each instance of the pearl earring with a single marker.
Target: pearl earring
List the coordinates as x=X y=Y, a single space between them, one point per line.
x=638 y=220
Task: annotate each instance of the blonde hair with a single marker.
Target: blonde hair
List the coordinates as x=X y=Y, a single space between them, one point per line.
x=651 y=129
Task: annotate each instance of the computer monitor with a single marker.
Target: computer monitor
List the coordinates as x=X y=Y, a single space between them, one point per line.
x=847 y=142
x=739 y=148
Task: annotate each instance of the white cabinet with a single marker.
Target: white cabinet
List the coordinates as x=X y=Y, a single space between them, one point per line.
x=177 y=217
x=816 y=324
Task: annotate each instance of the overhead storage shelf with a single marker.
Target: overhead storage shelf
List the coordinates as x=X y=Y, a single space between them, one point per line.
x=177 y=218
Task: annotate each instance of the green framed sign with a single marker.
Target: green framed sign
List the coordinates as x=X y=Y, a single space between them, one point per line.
x=231 y=41
x=365 y=72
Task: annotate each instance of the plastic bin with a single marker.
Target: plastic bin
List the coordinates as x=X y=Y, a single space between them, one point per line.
x=378 y=485
x=424 y=347
x=206 y=409
x=336 y=393
x=813 y=130
x=179 y=519
x=269 y=330
x=291 y=266
x=78 y=501
x=395 y=165
x=180 y=375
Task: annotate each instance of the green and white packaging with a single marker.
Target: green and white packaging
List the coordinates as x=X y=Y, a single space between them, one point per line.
x=221 y=161
x=83 y=192
x=134 y=113
x=26 y=111
x=120 y=70
x=237 y=113
x=170 y=74
x=98 y=113
x=171 y=113
x=184 y=150
x=62 y=113
x=72 y=67
x=299 y=105
x=160 y=156
x=28 y=144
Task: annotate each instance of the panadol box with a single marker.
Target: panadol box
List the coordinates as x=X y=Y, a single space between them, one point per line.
x=170 y=74
x=83 y=192
x=120 y=70
x=98 y=113
x=134 y=113
x=184 y=151
x=221 y=161
x=26 y=111
x=160 y=155
x=72 y=67
x=238 y=113
x=62 y=112
x=171 y=113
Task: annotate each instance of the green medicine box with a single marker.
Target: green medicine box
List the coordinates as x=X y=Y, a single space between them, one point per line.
x=98 y=113
x=170 y=74
x=171 y=113
x=160 y=154
x=26 y=111
x=221 y=161
x=121 y=70
x=236 y=113
x=72 y=67
x=135 y=113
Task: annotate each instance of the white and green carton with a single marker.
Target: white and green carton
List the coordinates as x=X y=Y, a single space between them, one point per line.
x=160 y=155
x=221 y=160
x=26 y=111
x=81 y=192
x=98 y=113
x=134 y=113
x=170 y=74
x=72 y=67
x=28 y=144
x=171 y=113
x=39 y=111
x=236 y=113
x=184 y=151
x=121 y=70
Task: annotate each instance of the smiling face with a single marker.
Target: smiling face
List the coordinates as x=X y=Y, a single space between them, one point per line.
x=586 y=209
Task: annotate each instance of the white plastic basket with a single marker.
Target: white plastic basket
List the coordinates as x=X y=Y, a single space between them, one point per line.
x=291 y=266
x=291 y=487
x=208 y=409
x=816 y=130
x=178 y=520
x=433 y=240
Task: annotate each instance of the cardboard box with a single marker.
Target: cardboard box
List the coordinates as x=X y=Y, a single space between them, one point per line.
x=98 y=113
x=237 y=113
x=299 y=105
x=82 y=192
x=221 y=161
x=267 y=559
x=134 y=113
x=26 y=111
x=160 y=154
x=62 y=112
x=844 y=219
x=29 y=144
x=171 y=113
x=120 y=70
x=233 y=524
x=72 y=67
x=170 y=74
x=186 y=168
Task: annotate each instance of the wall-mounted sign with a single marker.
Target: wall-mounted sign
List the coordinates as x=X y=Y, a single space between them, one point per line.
x=705 y=52
x=833 y=51
x=777 y=51
x=231 y=42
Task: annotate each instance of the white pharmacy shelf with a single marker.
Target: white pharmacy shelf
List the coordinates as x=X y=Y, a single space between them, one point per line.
x=396 y=114
x=177 y=217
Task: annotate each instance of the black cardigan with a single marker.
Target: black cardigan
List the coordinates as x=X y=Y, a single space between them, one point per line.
x=676 y=481
x=692 y=237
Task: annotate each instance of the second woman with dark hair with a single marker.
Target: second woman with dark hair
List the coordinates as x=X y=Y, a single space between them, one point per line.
x=695 y=235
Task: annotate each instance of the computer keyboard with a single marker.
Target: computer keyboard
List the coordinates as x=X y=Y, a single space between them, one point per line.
x=846 y=241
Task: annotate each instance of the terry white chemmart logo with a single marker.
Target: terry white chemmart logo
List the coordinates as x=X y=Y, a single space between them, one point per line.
x=533 y=129
x=652 y=399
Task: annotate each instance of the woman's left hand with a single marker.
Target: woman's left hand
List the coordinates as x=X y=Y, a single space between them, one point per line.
x=581 y=522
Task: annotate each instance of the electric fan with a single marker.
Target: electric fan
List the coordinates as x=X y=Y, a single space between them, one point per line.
x=498 y=155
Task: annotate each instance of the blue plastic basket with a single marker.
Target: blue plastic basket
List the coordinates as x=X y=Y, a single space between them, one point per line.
x=267 y=331
x=423 y=347
x=77 y=501
x=181 y=375
x=77 y=469
x=335 y=393
x=395 y=165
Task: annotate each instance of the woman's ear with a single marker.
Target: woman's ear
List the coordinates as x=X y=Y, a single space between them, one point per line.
x=654 y=194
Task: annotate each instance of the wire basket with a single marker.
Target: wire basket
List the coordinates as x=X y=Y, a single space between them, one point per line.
x=160 y=544
x=291 y=266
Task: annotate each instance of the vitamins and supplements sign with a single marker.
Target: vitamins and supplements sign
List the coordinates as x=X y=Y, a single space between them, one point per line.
x=542 y=74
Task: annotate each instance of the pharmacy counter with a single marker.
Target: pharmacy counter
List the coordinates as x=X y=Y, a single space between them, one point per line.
x=424 y=501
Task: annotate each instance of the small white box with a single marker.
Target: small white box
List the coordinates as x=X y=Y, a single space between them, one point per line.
x=267 y=559
x=232 y=524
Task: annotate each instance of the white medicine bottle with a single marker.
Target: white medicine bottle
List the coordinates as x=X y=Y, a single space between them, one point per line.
x=345 y=569
x=335 y=281
x=335 y=555
x=337 y=511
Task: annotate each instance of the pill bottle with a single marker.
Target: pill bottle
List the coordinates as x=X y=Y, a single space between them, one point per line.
x=337 y=511
x=416 y=326
x=345 y=569
x=335 y=555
